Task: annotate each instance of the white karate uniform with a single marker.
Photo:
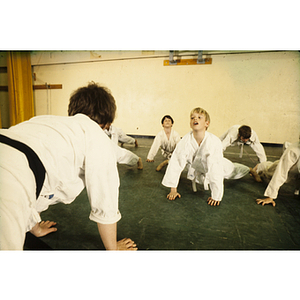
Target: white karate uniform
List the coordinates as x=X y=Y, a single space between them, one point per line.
x=205 y=163
x=166 y=145
x=266 y=169
x=17 y=198
x=288 y=161
x=118 y=135
x=125 y=156
x=76 y=153
x=230 y=138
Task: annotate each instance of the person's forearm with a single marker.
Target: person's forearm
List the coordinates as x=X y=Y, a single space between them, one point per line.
x=108 y=233
x=174 y=190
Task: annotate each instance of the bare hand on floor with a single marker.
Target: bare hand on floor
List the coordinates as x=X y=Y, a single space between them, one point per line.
x=43 y=228
x=173 y=195
x=266 y=201
x=126 y=244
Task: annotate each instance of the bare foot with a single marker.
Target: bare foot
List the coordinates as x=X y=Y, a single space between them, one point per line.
x=126 y=244
x=43 y=228
x=255 y=175
x=140 y=164
x=160 y=166
x=136 y=143
x=212 y=202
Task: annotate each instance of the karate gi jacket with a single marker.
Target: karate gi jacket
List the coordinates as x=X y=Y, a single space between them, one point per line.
x=230 y=138
x=76 y=153
x=205 y=163
x=167 y=145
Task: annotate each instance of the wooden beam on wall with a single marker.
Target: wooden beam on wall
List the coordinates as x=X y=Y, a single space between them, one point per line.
x=47 y=86
x=3 y=69
x=4 y=88
x=185 y=62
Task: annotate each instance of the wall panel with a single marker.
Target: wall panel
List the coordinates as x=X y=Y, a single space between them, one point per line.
x=258 y=89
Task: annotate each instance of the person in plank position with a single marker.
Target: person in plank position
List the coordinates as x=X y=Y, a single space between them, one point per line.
x=166 y=140
x=201 y=151
x=287 y=166
x=58 y=156
x=240 y=135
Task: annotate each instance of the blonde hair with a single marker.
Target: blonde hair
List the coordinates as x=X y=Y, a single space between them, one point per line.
x=202 y=111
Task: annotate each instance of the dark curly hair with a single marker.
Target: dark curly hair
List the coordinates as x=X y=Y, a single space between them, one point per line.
x=245 y=132
x=167 y=117
x=94 y=101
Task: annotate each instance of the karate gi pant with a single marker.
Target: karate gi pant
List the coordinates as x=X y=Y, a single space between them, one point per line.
x=232 y=171
x=17 y=199
x=288 y=163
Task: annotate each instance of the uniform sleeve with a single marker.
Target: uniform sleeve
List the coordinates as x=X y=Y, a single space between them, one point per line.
x=177 y=138
x=125 y=156
x=102 y=179
x=225 y=139
x=154 y=147
x=288 y=159
x=114 y=134
x=175 y=166
x=215 y=171
x=124 y=138
x=258 y=148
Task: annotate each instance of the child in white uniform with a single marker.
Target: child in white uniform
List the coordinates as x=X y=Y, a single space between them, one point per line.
x=124 y=156
x=166 y=140
x=202 y=152
x=118 y=135
x=240 y=135
x=289 y=161
x=265 y=170
x=75 y=153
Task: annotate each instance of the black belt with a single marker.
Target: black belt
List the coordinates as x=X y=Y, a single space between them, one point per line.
x=34 y=162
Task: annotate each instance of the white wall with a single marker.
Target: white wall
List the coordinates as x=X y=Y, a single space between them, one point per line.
x=260 y=89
